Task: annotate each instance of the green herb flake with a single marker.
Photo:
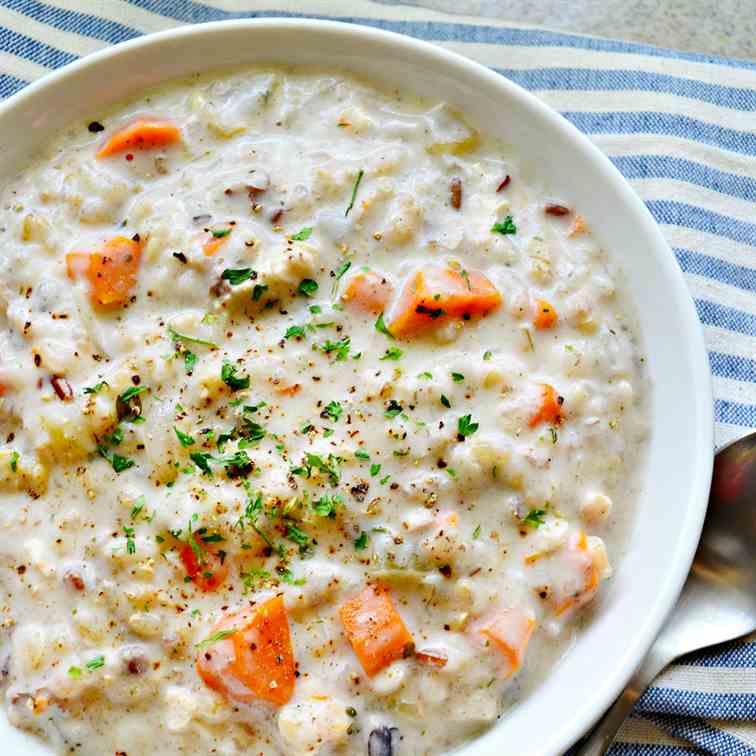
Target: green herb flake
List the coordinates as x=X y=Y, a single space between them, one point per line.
x=362 y=454
x=96 y=663
x=534 y=518
x=333 y=410
x=176 y=336
x=236 y=276
x=392 y=353
x=315 y=309
x=457 y=377
x=14 y=457
x=295 y=332
x=202 y=460
x=487 y=355
x=356 y=186
x=302 y=235
x=393 y=409
x=504 y=227
x=375 y=468
x=190 y=360
x=554 y=435
x=229 y=377
x=380 y=326
x=258 y=290
x=95 y=390
x=221 y=233
x=74 y=672
x=131 y=392
x=340 y=348
x=465 y=426
x=426 y=375
x=307 y=287
x=445 y=401
x=184 y=438
x=476 y=532
x=215 y=637
x=130 y=543
x=361 y=542
x=326 y=506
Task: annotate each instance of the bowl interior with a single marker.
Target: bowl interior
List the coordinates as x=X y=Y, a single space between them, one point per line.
x=678 y=465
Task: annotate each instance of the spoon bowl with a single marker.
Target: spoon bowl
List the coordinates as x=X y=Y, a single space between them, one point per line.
x=718 y=601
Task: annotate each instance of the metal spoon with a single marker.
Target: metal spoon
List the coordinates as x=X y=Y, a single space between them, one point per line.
x=718 y=602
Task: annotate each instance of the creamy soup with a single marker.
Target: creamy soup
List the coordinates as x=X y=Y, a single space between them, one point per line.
x=321 y=423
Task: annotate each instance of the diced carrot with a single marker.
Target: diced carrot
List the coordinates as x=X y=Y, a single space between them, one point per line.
x=289 y=390
x=579 y=226
x=550 y=410
x=510 y=630
x=434 y=294
x=367 y=291
x=579 y=560
x=431 y=658
x=207 y=572
x=142 y=134
x=111 y=270
x=545 y=315
x=253 y=657
x=374 y=628
x=216 y=241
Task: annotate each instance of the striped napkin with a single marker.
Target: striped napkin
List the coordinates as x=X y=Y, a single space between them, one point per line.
x=680 y=126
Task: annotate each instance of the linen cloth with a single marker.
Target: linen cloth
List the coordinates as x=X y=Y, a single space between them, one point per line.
x=680 y=126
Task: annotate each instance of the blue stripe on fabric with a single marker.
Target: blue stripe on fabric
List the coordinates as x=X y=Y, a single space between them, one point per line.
x=646 y=749
x=714 y=314
x=703 y=735
x=691 y=216
x=734 y=413
x=616 y=80
x=668 y=124
x=33 y=50
x=738 y=706
x=634 y=167
x=10 y=85
x=189 y=11
x=739 y=369
x=720 y=270
x=735 y=655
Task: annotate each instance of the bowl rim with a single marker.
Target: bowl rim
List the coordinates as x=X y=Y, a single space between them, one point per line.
x=701 y=468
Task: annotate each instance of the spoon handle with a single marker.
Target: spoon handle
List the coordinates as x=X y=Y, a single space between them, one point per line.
x=599 y=740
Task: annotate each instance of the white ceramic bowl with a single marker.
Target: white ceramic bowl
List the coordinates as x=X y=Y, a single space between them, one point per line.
x=678 y=470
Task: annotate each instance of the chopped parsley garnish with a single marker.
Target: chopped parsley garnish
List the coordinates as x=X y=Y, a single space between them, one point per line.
x=219 y=635
x=307 y=287
x=333 y=410
x=138 y=507
x=445 y=401
x=457 y=377
x=326 y=506
x=202 y=460
x=131 y=392
x=554 y=435
x=425 y=374
x=184 y=438
x=401 y=452
x=380 y=326
x=229 y=377
x=375 y=468
x=176 y=336
x=96 y=663
x=236 y=276
x=298 y=536
x=338 y=273
x=393 y=409
x=487 y=355
x=287 y=576
x=361 y=542
x=534 y=518
x=362 y=454
x=315 y=309
x=504 y=227
x=328 y=467
x=258 y=290
x=392 y=353
x=14 y=457
x=221 y=233
x=385 y=479
x=295 y=332
x=96 y=388
x=476 y=532
x=465 y=426
x=190 y=360
x=302 y=234
x=354 y=192
x=117 y=462
x=74 y=672
x=130 y=543
x=341 y=348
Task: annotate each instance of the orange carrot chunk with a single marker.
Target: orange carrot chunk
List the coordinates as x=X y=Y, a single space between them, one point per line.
x=510 y=631
x=578 y=561
x=433 y=295
x=216 y=240
x=367 y=291
x=545 y=315
x=142 y=134
x=550 y=409
x=111 y=271
x=203 y=564
x=248 y=655
x=374 y=628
